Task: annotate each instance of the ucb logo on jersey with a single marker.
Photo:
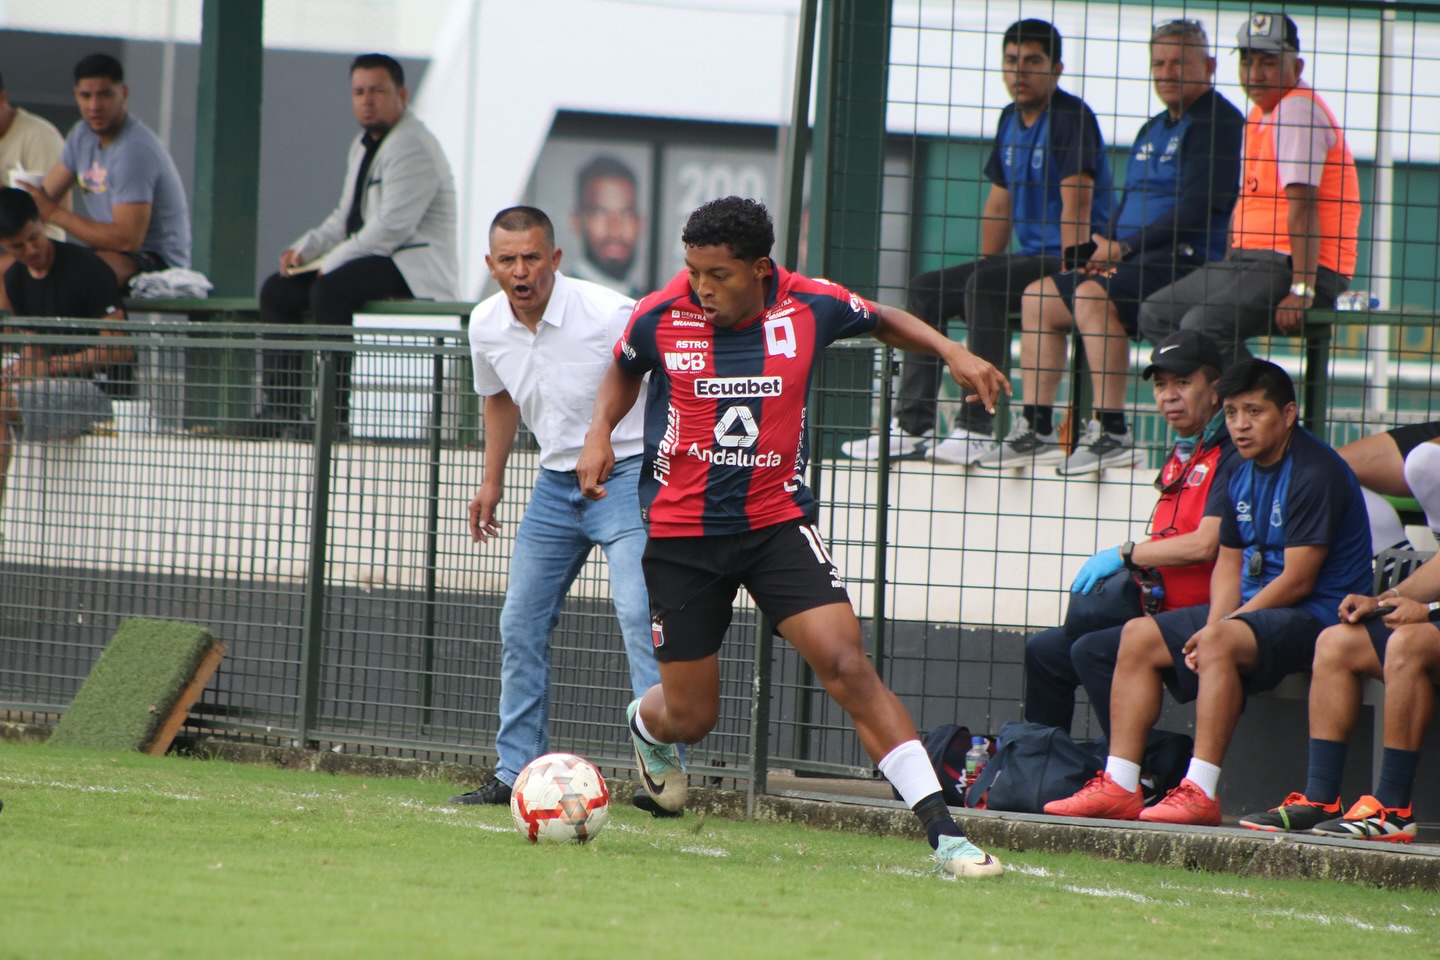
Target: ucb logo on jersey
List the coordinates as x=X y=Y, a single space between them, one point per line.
x=684 y=361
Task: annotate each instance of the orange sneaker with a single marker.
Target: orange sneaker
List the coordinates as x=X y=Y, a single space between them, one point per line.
x=1101 y=799
x=1186 y=804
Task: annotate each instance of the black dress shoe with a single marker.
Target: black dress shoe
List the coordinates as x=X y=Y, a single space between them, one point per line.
x=492 y=792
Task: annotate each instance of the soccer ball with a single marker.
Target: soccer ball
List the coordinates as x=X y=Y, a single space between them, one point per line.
x=559 y=798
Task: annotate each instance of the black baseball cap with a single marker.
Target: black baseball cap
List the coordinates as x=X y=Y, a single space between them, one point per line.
x=1184 y=352
x=1271 y=32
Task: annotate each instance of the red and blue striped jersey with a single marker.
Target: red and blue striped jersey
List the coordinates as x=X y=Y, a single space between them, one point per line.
x=725 y=438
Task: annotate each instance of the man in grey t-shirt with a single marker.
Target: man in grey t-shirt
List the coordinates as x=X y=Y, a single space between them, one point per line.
x=139 y=219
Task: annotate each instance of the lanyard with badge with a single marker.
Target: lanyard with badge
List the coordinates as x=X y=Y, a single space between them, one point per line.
x=1256 y=567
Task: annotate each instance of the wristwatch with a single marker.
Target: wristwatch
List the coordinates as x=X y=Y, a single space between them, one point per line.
x=1302 y=290
x=1126 y=549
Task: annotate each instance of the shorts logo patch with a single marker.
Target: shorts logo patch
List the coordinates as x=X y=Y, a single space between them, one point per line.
x=657 y=632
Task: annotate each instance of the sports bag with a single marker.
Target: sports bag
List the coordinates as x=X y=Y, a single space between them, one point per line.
x=1036 y=763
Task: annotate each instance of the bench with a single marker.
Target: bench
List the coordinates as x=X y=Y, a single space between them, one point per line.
x=223 y=390
x=247 y=309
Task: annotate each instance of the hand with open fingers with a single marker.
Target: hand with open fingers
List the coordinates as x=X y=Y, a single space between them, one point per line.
x=1356 y=607
x=1403 y=610
x=43 y=203
x=980 y=376
x=1097 y=568
x=483 y=524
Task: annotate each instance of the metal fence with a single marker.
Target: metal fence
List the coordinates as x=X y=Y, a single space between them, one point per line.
x=339 y=570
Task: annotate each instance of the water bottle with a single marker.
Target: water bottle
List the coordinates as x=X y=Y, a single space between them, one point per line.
x=1352 y=300
x=976 y=758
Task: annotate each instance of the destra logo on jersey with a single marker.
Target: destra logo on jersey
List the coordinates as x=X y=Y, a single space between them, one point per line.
x=687 y=318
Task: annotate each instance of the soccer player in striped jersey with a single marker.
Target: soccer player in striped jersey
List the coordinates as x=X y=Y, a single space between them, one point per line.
x=730 y=345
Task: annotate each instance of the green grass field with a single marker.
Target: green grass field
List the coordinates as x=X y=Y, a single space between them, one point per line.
x=122 y=855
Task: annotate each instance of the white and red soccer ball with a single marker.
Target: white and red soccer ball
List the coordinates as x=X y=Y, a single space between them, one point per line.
x=559 y=798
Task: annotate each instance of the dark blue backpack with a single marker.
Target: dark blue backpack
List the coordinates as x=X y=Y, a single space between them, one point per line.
x=1036 y=764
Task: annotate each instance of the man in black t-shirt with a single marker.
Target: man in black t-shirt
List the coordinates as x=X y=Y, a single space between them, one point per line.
x=51 y=390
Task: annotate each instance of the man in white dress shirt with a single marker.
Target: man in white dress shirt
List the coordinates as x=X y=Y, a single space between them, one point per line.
x=540 y=347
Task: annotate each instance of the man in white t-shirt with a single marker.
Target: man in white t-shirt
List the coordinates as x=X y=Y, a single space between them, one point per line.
x=540 y=347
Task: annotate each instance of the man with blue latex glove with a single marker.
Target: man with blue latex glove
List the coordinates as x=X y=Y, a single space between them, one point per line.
x=1184 y=537
x=1097 y=568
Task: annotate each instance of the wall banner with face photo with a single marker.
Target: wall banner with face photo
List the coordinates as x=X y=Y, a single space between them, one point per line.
x=597 y=194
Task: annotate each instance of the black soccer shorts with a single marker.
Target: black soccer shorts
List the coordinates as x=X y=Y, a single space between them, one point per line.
x=693 y=581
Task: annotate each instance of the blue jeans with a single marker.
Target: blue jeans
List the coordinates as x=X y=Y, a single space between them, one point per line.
x=556 y=536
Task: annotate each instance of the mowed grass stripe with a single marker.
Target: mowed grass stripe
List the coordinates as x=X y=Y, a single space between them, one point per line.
x=133 y=856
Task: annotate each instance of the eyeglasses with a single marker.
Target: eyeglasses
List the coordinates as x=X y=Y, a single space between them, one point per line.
x=1173 y=28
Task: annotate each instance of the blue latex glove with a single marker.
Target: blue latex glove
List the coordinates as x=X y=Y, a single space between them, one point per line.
x=1097 y=568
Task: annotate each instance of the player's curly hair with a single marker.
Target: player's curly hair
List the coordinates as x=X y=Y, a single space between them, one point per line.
x=740 y=224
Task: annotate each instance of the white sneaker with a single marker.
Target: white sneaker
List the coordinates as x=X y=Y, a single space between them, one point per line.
x=903 y=446
x=963 y=447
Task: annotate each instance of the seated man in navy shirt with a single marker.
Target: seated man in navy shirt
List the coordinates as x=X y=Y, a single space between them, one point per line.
x=1180 y=186
x=1294 y=542
x=1050 y=181
x=54 y=391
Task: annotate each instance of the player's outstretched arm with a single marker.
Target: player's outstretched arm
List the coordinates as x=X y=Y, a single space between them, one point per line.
x=617 y=394
x=897 y=328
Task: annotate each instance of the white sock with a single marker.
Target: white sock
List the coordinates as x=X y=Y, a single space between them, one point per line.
x=908 y=769
x=1386 y=530
x=1204 y=775
x=644 y=732
x=1422 y=476
x=1125 y=774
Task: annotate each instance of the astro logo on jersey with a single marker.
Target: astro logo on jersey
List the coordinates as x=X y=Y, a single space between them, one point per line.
x=684 y=361
x=739 y=388
x=742 y=416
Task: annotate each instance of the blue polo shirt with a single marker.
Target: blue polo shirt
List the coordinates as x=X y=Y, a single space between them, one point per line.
x=1309 y=498
x=1182 y=180
x=1031 y=161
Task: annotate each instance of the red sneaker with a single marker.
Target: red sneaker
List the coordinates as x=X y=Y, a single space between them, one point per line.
x=1186 y=804
x=1100 y=799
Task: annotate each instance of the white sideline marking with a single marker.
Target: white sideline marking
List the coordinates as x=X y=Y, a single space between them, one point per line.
x=1110 y=892
x=1029 y=871
x=706 y=851
x=96 y=788
x=1325 y=920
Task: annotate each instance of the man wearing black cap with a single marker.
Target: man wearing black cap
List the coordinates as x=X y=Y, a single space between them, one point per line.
x=1296 y=226
x=1180 y=554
